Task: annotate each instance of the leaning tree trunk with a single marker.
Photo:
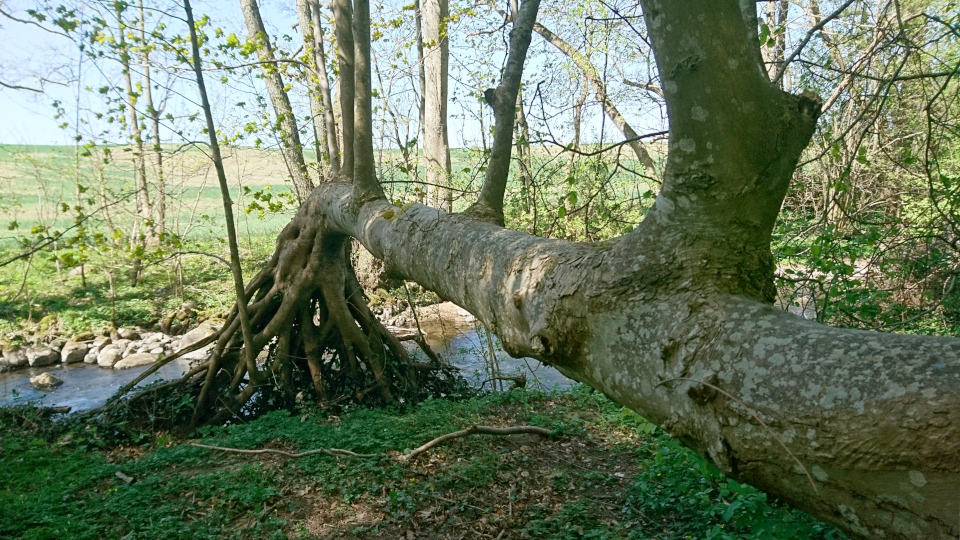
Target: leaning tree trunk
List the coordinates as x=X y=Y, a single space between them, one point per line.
x=673 y=320
x=600 y=89
x=289 y=133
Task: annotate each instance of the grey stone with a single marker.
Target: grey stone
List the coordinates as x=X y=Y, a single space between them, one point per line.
x=73 y=352
x=201 y=332
x=45 y=381
x=15 y=357
x=158 y=350
x=152 y=337
x=134 y=360
x=101 y=341
x=42 y=356
x=91 y=356
x=109 y=355
x=128 y=333
x=124 y=344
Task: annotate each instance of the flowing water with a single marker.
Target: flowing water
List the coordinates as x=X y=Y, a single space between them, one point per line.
x=88 y=386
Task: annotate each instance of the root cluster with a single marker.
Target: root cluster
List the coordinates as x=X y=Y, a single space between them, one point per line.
x=312 y=337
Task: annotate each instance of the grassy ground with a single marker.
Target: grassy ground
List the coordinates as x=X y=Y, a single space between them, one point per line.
x=33 y=289
x=605 y=474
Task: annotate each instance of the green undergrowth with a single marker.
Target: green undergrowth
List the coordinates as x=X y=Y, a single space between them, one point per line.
x=32 y=289
x=605 y=473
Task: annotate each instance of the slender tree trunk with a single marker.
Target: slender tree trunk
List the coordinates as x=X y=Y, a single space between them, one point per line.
x=142 y=231
x=525 y=161
x=160 y=200
x=244 y=319
x=425 y=194
x=600 y=90
x=321 y=103
x=436 y=54
x=286 y=120
x=321 y=61
x=343 y=21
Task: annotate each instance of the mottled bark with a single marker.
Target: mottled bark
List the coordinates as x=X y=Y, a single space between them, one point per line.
x=674 y=319
x=286 y=121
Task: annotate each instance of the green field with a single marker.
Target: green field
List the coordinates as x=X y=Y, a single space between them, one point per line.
x=35 y=182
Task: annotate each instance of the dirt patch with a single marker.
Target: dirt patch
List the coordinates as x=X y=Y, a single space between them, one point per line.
x=484 y=487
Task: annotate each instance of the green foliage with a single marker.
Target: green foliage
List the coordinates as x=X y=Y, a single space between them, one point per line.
x=57 y=485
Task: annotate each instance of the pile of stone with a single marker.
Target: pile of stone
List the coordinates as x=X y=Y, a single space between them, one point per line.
x=124 y=348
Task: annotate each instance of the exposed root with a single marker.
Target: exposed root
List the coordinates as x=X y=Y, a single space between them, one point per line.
x=313 y=335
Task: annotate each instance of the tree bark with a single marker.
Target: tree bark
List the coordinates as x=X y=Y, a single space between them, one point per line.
x=320 y=60
x=143 y=229
x=321 y=102
x=674 y=319
x=287 y=122
x=343 y=21
x=160 y=202
x=436 y=57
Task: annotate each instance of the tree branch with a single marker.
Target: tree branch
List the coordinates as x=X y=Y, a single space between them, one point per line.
x=339 y=452
x=806 y=39
x=18 y=87
x=600 y=90
x=503 y=99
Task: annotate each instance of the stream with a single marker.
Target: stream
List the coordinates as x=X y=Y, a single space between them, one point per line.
x=87 y=386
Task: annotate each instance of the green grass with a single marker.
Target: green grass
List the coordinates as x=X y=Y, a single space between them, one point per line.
x=606 y=474
x=32 y=290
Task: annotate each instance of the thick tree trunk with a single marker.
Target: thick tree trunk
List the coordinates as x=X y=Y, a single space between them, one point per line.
x=436 y=55
x=674 y=320
x=286 y=121
x=870 y=420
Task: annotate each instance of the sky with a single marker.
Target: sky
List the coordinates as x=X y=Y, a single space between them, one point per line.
x=28 y=118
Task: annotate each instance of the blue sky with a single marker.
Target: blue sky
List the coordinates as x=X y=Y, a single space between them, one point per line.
x=28 y=118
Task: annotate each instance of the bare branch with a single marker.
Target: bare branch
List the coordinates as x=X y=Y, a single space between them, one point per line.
x=17 y=87
x=806 y=39
x=339 y=452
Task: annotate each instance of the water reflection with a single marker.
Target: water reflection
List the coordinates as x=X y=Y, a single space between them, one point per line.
x=88 y=386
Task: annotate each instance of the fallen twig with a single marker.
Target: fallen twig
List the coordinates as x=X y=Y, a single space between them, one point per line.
x=486 y=430
x=339 y=452
x=336 y=452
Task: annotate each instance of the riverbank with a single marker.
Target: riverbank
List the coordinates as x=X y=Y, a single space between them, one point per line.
x=604 y=473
